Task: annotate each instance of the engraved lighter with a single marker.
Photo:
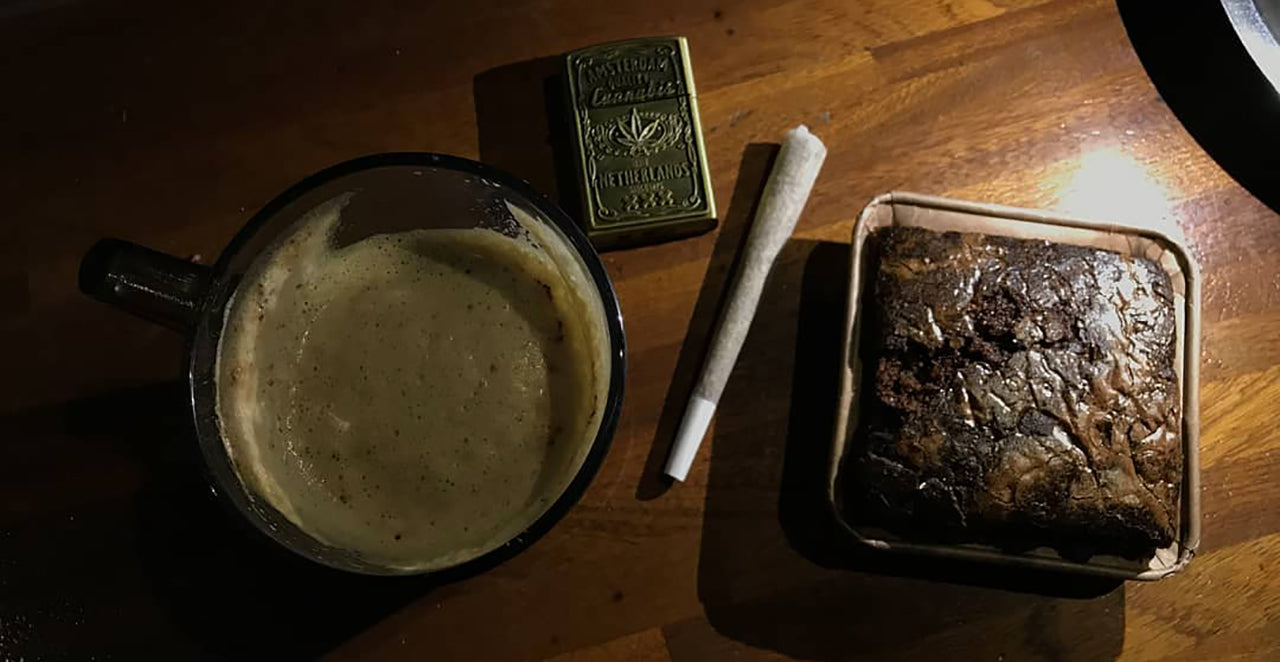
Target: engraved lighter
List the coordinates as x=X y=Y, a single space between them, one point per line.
x=642 y=168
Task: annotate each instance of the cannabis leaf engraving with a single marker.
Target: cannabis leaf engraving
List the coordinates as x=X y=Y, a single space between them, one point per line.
x=637 y=134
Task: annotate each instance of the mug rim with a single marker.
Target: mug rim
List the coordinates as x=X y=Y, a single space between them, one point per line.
x=201 y=378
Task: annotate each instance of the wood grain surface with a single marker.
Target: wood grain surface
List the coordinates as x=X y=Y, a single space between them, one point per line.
x=170 y=123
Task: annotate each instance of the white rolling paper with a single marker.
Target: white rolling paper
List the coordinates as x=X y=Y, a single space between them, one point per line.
x=784 y=196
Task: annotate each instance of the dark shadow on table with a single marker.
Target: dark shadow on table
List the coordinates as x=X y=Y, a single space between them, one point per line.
x=120 y=550
x=774 y=574
x=1204 y=74
x=757 y=161
x=524 y=126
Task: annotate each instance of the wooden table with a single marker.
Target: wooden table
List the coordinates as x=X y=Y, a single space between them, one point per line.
x=169 y=124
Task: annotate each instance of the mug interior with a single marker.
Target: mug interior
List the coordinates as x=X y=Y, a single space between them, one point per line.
x=389 y=194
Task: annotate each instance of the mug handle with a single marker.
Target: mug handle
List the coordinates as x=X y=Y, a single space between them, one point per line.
x=150 y=284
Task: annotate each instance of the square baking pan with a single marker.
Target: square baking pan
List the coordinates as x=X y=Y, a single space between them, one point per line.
x=942 y=214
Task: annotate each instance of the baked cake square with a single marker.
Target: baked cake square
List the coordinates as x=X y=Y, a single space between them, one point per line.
x=1018 y=393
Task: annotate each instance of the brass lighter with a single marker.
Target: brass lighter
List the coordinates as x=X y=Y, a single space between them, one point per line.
x=642 y=167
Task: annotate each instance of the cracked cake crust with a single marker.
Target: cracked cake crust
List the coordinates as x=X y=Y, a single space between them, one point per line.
x=1020 y=393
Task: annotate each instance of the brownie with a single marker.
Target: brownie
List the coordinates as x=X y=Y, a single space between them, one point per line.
x=1018 y=393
